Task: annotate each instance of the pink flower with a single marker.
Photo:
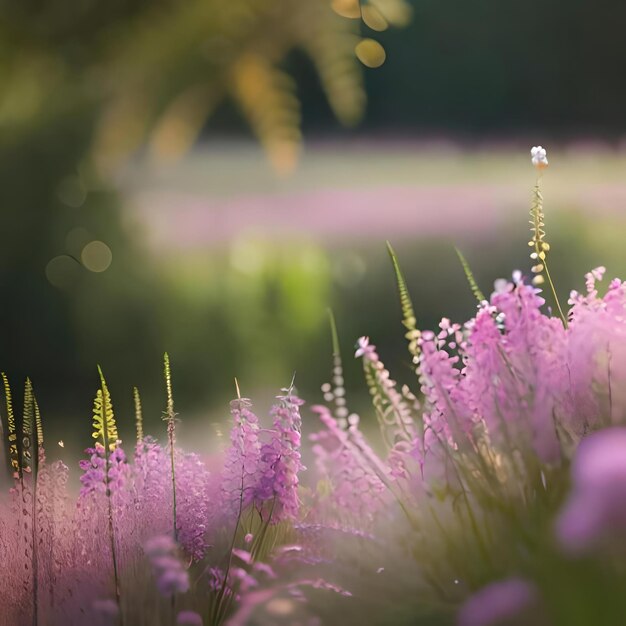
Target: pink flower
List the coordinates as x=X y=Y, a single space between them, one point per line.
x=171 y=577
x=241 y=466
x=364 y=349
x=497 y=602
x=596 y=508
x=280 y=460
x=188 y=618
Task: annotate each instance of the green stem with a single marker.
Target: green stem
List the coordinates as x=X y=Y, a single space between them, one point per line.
x=170 y=436
x=35 y=558
x=216 y=614
x=556 y=298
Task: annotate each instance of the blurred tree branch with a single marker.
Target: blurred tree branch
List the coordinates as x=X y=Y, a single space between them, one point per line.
x=156 y=70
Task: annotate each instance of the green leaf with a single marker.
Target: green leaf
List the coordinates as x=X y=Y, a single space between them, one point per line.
x=408 y=314
x=478 y=294
x=104 y=424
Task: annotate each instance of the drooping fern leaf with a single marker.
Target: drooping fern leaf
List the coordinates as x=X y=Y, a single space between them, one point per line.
x=12 y=437
x=330 y=44
x=138 y=415
x=181 y=124
x=105 y=428
x=478 y=294
x=267 y=96
x=408 y=315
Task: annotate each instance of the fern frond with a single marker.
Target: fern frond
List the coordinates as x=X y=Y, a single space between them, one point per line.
x=14 y=456
x=395 y=12
x=138 y=415
x=29 y=456
x=478 y=294
x=330 y=43
x=408 y=314
x=170 y=416
x=4 y=463
x=120 y=130
x=336 y=391
x=32 y=453
x=105 y=428
x=181 y=123
x=38 y=424
x=167 y=372
x=267 y=98
x=395 y=416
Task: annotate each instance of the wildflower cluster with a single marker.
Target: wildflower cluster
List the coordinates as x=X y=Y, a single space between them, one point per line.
x=494 y=495
x=475 y=470
x=155 y=538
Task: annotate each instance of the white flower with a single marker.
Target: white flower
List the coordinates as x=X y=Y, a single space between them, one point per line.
x=539 y=157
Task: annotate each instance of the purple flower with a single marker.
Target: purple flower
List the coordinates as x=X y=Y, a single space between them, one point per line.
x=171 y=577
x=596 y=508
x=93 y=479
x=193 y=501
x=356 y=488
x=498 y=602
x=280 y=460
x=153 y=487
x=241 y=465
x=106 y=608
x=188 y=618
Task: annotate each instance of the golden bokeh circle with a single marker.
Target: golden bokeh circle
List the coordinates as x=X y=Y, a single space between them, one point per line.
x=96 y=256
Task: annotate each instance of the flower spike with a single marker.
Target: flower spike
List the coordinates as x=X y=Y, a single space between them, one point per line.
x=540 y=247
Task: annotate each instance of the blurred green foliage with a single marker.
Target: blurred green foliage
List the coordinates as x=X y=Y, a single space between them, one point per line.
x=85 y=85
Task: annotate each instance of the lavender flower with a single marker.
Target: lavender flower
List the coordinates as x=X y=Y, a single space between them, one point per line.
x=193 y=493
x=355 y=488
x=280 y=460
x=188 y=618
x=94 y=473
x=241 y=466
x=171 y=577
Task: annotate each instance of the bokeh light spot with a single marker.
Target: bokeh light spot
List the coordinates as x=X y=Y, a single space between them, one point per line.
x=374 y=18
x=347 y=8
x=96 y=256
x=62 y=271
x=370 y=53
